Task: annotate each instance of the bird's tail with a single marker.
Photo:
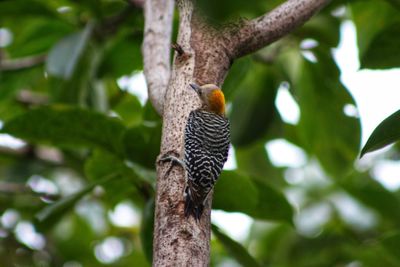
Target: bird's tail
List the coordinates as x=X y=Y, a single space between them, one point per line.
x=192 y=207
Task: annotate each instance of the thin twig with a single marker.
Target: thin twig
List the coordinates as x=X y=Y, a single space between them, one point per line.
x=21 y=63
x=29 y=98
x=19 y=189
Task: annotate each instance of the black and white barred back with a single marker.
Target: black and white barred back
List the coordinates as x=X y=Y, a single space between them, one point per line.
x=207 y=139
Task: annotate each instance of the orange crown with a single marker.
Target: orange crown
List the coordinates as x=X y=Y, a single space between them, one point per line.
x=216 y=101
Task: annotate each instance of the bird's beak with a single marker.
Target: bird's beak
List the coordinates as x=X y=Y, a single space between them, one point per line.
x=195 y=87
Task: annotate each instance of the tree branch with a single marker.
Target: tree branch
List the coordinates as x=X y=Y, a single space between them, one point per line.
x=30 y=98
x=158 y=16
x=137 y=3
x=19 y=189
x=264 y=30
x=21 y=63
x=111 y=25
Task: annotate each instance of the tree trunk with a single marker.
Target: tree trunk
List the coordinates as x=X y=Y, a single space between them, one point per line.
x=178 y=241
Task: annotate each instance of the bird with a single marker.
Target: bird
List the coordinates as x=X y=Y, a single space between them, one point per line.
x=207 y=140
x=206 y=147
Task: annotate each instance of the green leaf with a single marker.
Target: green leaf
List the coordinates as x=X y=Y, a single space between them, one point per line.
x=77 y=242
x=255 y=99
x=150 y=115
x=142 y=144
x=135 y=258
x=324 y=28
x=229 y=186
x=387 y=132
x=80 y=88
x=93 y=6
x=268 y=241
x=236 y=76
x=147 y=175
x=22 y=8
x=102 y=164
x=64 y=56
x=391 y=243
x=54 y=212
x=382 y=53
x=9 y=109
x=256 y=199
x=235 y=249
x=97 y=96
x=132 y=182
x=370 y=17
x=253 y=160
x=147 y=228
x=68 y=127
x=29 y=79
x=373 y=254
x=37 y=37
x=129 y=109
x=272 y=204
x=395 y=3
x=122 y=56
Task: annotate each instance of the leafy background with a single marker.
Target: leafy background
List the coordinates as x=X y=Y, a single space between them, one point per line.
x=85 y=166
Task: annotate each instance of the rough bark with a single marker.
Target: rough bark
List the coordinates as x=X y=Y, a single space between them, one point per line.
x=268 y=28
x=206 y=58
x=156 y=48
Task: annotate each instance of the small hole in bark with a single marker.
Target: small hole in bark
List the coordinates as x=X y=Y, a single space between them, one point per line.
x=186 y=235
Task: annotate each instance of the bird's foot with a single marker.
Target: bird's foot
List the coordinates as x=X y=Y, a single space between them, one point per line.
x=173 y=158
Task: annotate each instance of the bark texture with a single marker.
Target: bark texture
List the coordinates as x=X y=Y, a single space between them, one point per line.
x=207 y=56
x=178 y=241
x=264 y=30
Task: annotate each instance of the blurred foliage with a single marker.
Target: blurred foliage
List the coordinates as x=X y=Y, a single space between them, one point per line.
x=79 y=189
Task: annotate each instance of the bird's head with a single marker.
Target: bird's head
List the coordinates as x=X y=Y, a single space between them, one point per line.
x=211 y=96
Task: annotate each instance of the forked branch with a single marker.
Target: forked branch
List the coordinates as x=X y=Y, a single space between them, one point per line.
x=204 y=55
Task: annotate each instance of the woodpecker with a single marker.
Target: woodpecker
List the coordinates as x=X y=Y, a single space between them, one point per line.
x=207 y=139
